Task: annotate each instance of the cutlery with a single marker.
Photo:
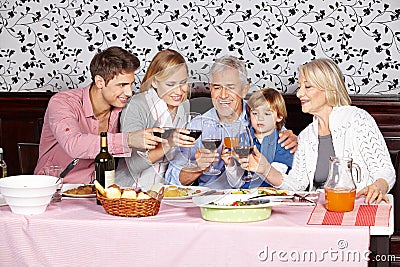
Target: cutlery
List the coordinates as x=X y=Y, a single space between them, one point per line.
x=210 y=192
x=256 y=202
x=266 y=195
x=277 y=198
x=69 y=167
x=303 y=198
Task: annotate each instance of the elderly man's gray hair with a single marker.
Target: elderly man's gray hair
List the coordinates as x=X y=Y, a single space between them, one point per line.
x=226 y=62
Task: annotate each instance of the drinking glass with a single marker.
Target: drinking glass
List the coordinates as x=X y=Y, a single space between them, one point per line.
x=232 y=138
x=243 y=149
x=195 y=132
x=55 y=171
x=211 y=138
x=165 y=135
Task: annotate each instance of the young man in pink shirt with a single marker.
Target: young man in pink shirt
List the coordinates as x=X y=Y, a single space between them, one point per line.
x=74 y=118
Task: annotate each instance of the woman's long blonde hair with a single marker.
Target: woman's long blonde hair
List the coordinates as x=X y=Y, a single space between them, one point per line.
x=325 y=75
x=162 y=66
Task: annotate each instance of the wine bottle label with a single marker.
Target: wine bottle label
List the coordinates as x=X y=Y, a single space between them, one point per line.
x=109 y=178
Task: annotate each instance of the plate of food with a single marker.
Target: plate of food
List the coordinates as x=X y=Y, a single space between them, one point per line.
x=79 y=190
x=234 y=208
x=174 y=192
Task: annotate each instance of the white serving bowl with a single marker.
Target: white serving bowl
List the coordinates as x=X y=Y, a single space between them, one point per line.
x=28 y=194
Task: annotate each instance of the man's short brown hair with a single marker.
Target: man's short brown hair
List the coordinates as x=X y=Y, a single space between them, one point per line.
x=113 y=61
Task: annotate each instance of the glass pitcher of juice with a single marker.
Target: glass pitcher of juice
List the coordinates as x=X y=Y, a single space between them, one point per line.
x=340 y=189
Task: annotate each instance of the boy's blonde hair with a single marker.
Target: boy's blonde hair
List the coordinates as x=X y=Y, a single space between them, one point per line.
x=275 y=101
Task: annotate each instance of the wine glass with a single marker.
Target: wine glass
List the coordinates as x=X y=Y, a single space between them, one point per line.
x=243 y=149
x=195 y=132
x=211 y=138
x=232 y=137
x=168 y=130
x=55 y=171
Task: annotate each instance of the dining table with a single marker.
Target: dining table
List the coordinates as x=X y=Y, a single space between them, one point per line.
x=78 y=232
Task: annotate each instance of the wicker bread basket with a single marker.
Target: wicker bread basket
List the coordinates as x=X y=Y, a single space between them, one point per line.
x=130 y=207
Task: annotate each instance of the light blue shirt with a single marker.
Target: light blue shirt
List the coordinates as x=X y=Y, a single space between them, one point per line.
x=182 y=154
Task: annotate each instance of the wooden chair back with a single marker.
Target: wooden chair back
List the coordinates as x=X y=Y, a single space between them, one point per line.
x=28 y=154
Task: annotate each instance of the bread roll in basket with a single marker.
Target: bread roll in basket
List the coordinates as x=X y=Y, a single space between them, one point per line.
x=129 y=204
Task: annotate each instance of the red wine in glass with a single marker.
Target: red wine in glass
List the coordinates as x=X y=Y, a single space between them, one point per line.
x=194 y=133
x=243 y=151
x=211 y=144
x=211 y=138
x=244 y=148
x=166 y=134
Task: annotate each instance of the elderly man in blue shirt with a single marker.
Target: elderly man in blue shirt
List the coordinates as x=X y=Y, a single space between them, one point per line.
x=229 y=86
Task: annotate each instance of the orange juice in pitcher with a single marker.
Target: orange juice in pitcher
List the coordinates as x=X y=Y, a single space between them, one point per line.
x=340 y=189
x=340 y=200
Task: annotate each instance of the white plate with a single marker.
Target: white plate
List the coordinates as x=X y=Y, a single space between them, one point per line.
x=71 y=186
x=193 y=192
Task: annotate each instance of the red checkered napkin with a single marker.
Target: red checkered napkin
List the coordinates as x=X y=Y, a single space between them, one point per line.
x=362 y=215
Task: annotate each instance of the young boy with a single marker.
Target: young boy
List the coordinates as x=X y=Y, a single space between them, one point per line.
x=267 y=116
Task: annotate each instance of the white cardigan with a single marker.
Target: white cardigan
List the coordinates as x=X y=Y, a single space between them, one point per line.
x=354 y=134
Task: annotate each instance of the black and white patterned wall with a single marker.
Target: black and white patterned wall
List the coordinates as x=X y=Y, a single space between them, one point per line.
x=48 y=44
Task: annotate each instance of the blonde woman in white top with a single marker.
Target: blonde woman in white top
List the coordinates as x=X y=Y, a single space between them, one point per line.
x=352 y=131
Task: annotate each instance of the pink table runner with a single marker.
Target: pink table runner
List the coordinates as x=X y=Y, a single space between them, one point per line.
x=80 y=233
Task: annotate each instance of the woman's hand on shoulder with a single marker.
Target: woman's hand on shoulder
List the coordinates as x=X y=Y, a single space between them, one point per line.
x=288 y=140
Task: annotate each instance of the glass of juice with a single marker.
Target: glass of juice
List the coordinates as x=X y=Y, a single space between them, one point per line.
x=231 y=142
x=232 y=138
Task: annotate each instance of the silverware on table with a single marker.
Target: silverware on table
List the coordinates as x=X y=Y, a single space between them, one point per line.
x=303 y=198
x=277 y=198
x=256 y=201
x=69 y=167
x=258 y=196
x=209 y=192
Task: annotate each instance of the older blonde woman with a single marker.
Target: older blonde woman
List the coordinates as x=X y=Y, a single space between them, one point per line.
x=161 y=103
x=338 y=129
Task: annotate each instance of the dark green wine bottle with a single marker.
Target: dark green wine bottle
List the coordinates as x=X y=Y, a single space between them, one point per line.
x=104 y=164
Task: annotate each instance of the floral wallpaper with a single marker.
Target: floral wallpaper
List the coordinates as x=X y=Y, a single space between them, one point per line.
x=48 y=44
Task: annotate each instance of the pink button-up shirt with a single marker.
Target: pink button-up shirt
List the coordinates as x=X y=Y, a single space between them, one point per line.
x=71 y=130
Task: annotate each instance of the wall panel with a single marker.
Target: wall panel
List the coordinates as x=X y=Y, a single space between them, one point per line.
x=48 y=44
